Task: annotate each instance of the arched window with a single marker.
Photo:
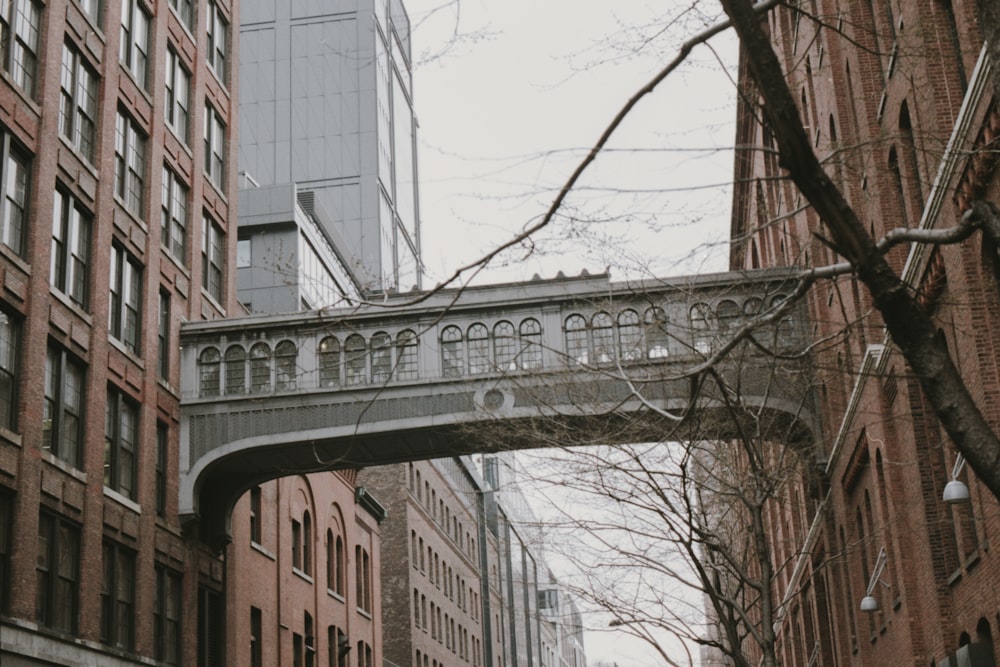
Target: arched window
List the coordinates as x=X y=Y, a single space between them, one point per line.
x=381 y=353
x=576 y=339
x=236 y=370
x=307 y=542
x=478 y=337
x=329 y=362
x=753 y=306
x=452 y=355
x=702 y=319
x=208 y=366
x=285 y=365
x=339 y=565
x=260 y=368
x=629 y=336
x=603 y=333
x=354 y=360
x=330 y=562
x=406 y=355
x=531 y=344
x=504 y=345
x=654 y=322
x=727 y=315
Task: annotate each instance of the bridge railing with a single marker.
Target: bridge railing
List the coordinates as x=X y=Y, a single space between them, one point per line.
x=483 y=332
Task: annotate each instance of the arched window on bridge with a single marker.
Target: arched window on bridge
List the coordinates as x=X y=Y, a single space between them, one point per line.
x=576 y=339
x=478 y=337
x=531 y=344
x=355 y=361
x=236 y=370
x=603 y=333
x=702 y=319
x=329 y=362
x=260 y=368
x=285 y=363
x=629 y=336
x=727 y=315
x=785 y=337
x=381 y=354
x=753 y=307
x=406 y=355
x=452 y=355
x=208 y=366
x=504 y=346
x=655 y=324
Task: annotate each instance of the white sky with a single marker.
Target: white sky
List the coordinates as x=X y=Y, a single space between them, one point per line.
x=508 y=109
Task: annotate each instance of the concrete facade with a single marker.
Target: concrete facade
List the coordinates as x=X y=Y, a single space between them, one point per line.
x=899 y=107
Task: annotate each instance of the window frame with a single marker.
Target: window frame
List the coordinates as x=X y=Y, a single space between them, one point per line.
x=118 y=587
x=212 y=258
x=134 y=44
x=125 y=299
x=214 y=147
x=78 y=102
x=11 y=328
x=174 y=215
x=130 y=164
x=177 y=97
x=15 y=184
x=217 y=30
x=122 y=437
x=58 y=590
x=64 y=405
x=167 y=616
x=69 y=268
x=21 y=32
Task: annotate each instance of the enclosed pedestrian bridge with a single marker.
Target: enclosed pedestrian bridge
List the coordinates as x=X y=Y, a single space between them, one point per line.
x=562 y=361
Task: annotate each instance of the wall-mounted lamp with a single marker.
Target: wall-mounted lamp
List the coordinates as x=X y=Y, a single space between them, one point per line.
x=956 y=491
x=868 y=602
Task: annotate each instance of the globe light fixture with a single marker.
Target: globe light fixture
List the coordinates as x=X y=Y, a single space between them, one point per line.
x=956 y=491
x=868 y=602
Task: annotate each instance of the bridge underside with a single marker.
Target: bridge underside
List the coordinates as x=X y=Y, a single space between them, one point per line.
x=342 y=430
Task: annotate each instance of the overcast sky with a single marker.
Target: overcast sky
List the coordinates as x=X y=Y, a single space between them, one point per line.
x=510 y=93
x=508 y=107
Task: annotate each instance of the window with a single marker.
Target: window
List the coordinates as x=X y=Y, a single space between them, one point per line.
x=655 y=325
x=6 y=549
x=236 y=370
x=211 y=638
x=576 y=339
x=452 y=356
x=124 y=298
x=296 y=544
x=20 y=46
x=479 y=349
x=130 y=163
x=339 y=647
x=62 y=413
x=10 y=354
x=14 y=175
x=310 y=639
x=354 y=360
x=255 y=515
x=178 y=97
x=212 y=242
x=69 y=270
x=57 y=569
x=381 y=354
x=120 y=442
x=339 y=573
x=329 y=362
x=162 y=451
x=208 y=368
x=184 y=10
x=134 y=48
x=365 y=655
x=406 y=355
x=604 y=338
x=217 y=28
x=92 y=8
x=118 y=597
x=629 y=336
x=215 y=147
x=260 y=368
x=78 y=102
x=163 y=337
x=504 y=346
x=307 y=542
x=284 y=365
x=174 y=216
x=256 y=637
x=362 y=563
x=530 y=355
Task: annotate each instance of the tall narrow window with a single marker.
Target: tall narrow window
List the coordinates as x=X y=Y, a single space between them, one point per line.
x=406 y=355
x=134 y=47
x=118 y=597
x=355 y=361
x=92 y=8
x=260 y=368
x=184 y=9
x=62 y=412
x=211 y=638
x=215 y=147
x=530 y=354
x=307 y=542
x=329 y=362
x=178 y=96
x=174 y=216
x=236 y=370
x=285 y=365
x=339 y=565
x=452 y=354
x=208 y=370
x=381 y=356
x=78 y=102
x=162 y=453
x=57 y=574
x=218 y=29
x=212 y=258
x=255 y=515
x=69 y=269
x=256 y=638
x=20 y=26
x=124 y=307
x=504 y=346
x=10 y=370
x=6 y=549
x=479 y=349
x=163 y=336
x=654 y=322
x=296 y=544
x=130 y=163
x=363 y=574
x=121 y=440
x=16 y=170
x=576 y=339
x=629 y=336
x=603 y=334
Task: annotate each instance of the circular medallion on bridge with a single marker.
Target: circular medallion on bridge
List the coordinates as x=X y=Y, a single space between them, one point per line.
x=494 y=400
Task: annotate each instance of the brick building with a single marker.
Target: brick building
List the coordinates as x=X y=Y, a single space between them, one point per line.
x=898 y=99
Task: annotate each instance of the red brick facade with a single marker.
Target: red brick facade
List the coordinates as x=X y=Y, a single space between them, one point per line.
x=881 y=89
